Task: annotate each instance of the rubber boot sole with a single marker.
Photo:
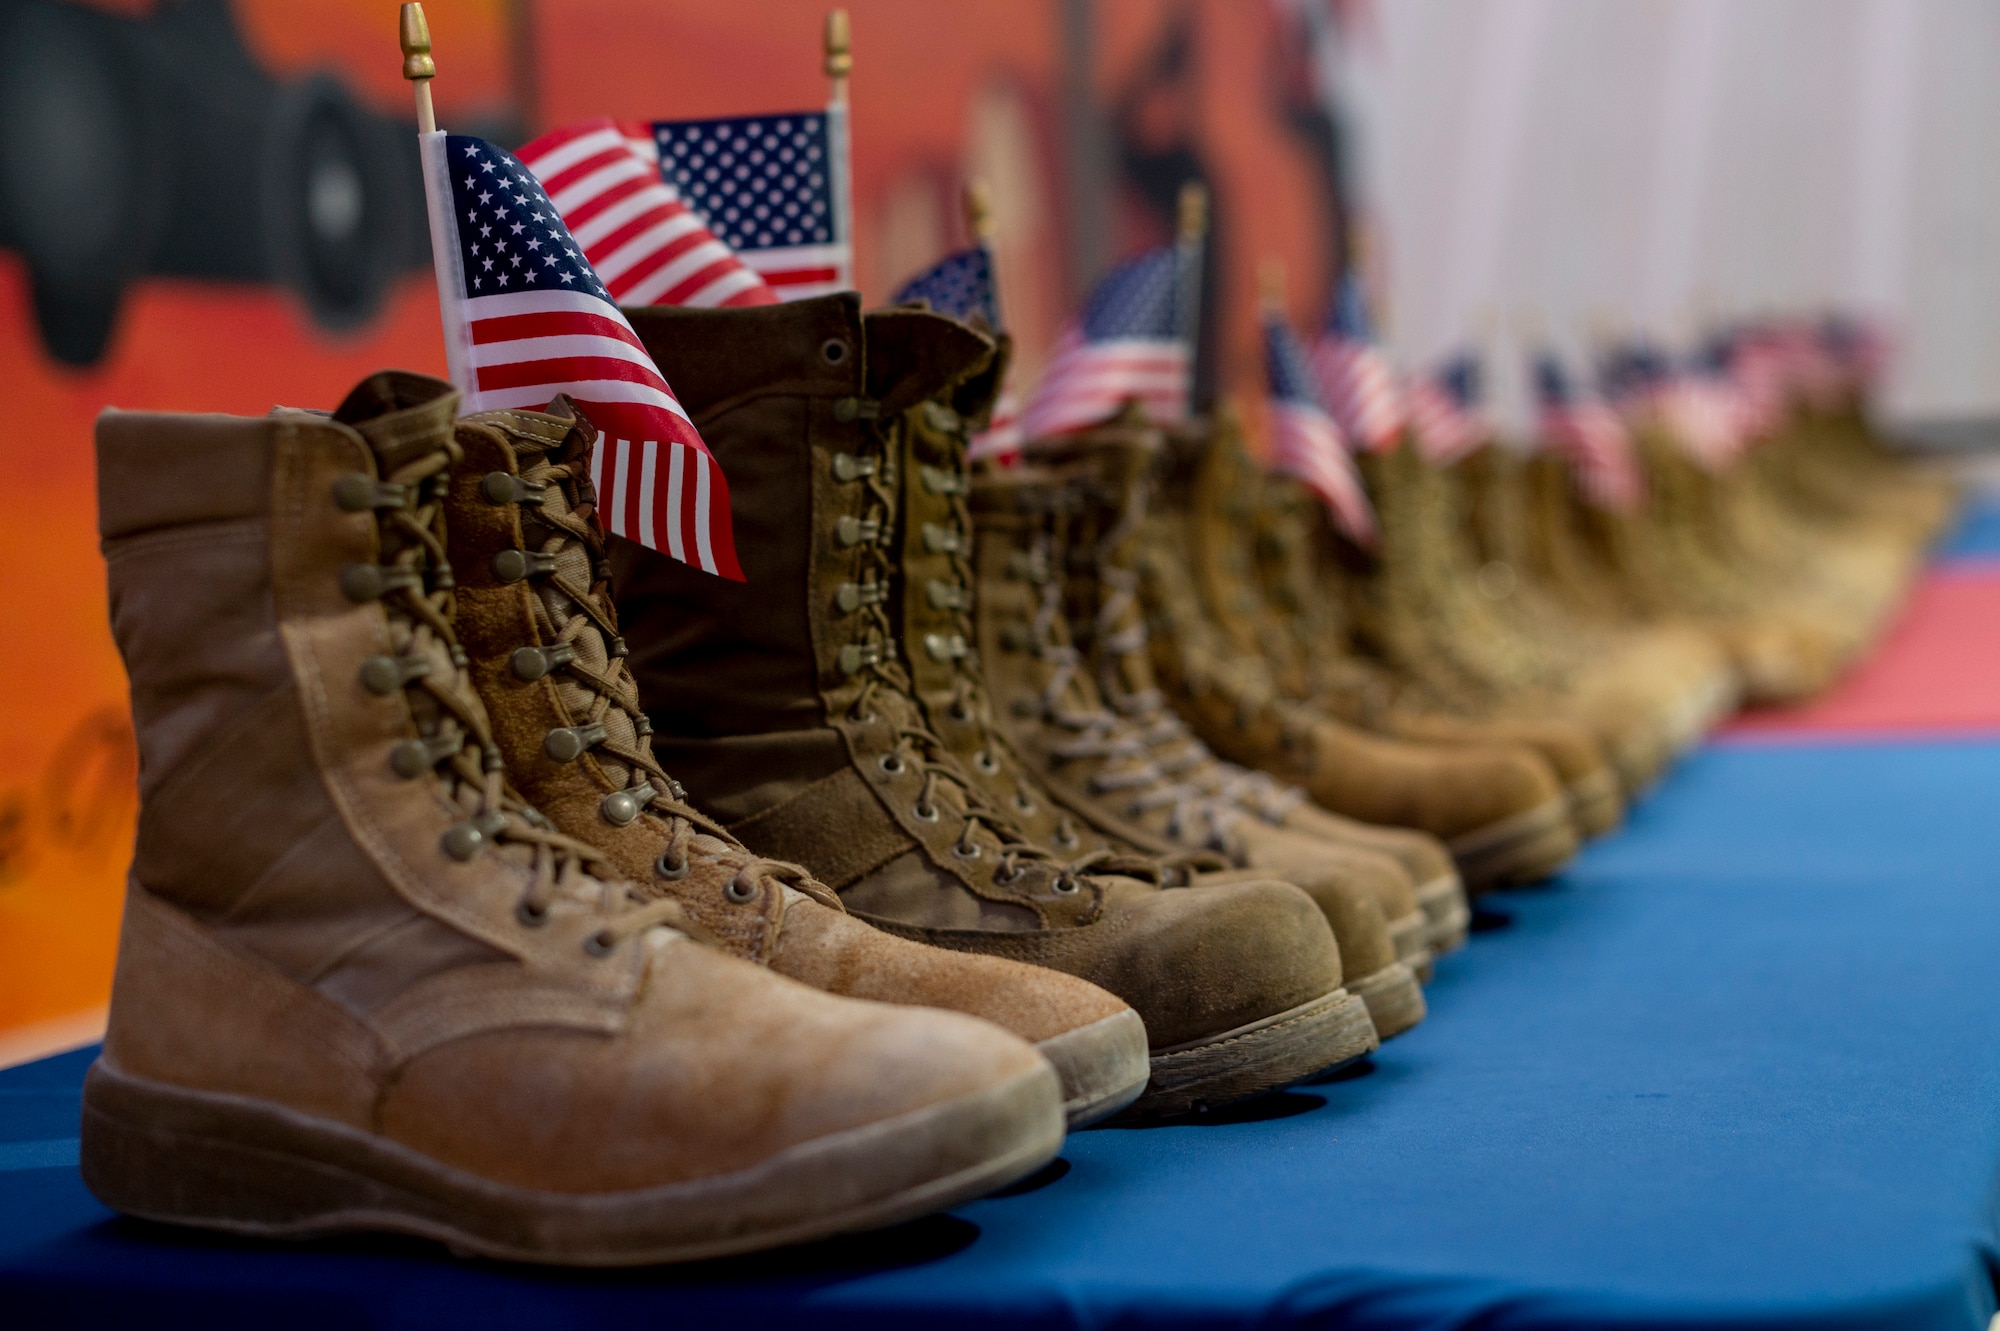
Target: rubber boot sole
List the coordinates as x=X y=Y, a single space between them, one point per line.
x=1395 y=1000
x=1103 y=1067
x=1411 y=935
x=1444 y=905
x=246 y=1166
x=1596 y=803
x=1524 y=848
x=1259 y=1057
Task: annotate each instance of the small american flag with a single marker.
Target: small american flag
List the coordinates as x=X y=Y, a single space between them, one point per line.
x=1579 y=426
x=1756 y=370
x=1354 y=377
x=960 y=285
x=769 y=187
x=526 y=318
x=1444 y=411
x=1305 y=442
x=647 y=247
x=1696 y=410
x=1131 y=343
x=964 y=286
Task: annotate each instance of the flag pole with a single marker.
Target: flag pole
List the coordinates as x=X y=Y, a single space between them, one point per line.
x=418 y=67
x=979 y=219
x=1193 y=234
x=839 y=63
x=1271 y=286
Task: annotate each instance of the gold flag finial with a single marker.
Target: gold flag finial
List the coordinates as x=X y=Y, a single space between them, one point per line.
x=418 y=67
x=839 y=56
x=1194 y=210
x=979 y=210
x=1271 y=283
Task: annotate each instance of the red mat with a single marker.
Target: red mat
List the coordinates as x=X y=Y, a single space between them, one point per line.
x=1937 y=672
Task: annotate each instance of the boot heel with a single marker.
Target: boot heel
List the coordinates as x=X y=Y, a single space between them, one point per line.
x=161 y=1153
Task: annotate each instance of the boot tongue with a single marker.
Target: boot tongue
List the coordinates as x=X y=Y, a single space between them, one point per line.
x=401 y=415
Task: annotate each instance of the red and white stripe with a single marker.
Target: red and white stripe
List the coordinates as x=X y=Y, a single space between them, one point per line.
x=1701 y=415
x=1088 y=382
x=1360 y=390
x=1305 y=443
x=1002 y=435
x=656 y=483
x=1598 y=447
x=1442 y=430
x=647 y=246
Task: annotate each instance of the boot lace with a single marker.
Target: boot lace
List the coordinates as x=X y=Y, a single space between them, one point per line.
x=578 y=624
x=414 y=584
x=885 y=685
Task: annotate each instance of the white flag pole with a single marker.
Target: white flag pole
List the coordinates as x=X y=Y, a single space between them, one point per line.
x=419 y=69
x=839 y=62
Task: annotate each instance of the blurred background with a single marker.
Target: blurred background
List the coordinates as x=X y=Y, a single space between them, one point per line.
x=213 y=205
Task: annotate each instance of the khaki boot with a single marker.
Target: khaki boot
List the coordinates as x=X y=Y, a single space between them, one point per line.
x=549 y=665
x=1672 y=667
x=1136 y=807
x=362 y=986
x=1100 y=763
x=1499 y=809
x=786 y=704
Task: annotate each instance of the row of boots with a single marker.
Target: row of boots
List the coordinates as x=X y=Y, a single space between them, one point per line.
x=508 y=884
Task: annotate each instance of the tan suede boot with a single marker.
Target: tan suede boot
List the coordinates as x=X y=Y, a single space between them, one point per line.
x=1499 y=809
x=786 y=705
x=546 y=657
x=362 y=986
x=1672 y=667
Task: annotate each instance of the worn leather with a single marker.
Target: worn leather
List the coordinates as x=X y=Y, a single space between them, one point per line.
x=843 y=754
x=752 y=907
x=296 y=931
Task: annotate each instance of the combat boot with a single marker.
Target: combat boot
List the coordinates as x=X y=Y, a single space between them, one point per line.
x=537 y=621
x=1419 y=608
x=788 y=705
x=1499 y=809
x=362 y=986
x=1671 y=667
x=1093 y=553
x=1097 y=760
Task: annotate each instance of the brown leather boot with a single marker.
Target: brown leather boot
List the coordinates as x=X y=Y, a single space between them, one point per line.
x=786 y=705
x=362 y=985
x=537 y=621
x=1095 y=784
x=1498 y=808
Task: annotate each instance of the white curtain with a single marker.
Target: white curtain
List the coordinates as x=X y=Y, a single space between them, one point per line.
x=1564 y=169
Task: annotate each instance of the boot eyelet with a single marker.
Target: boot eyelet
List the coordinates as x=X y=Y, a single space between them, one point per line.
x=986 y=763
x=925 y=813
x=960 y=713
x=597 y=945
x=739 y=891
x=964 y=852
x=1007 y=877
x=531 y=915
x=670 y=869
x=1067 y=838
x=1064 y=885
x=833 y=351
x=891 y=764
x=1026 y=805
x=864 y=719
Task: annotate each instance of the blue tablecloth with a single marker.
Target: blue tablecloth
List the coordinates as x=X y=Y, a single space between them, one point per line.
x=1740 y=1067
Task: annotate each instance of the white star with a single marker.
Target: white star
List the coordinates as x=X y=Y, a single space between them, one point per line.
x=569 y=277
x=501 y=279
x=486 y=167
x=534 y=244
x=548 y=261
x=485 y=196
x=486 y=231
x=470 y=181
x=514 y=259
x=518 y=227
x=520 y=201
x=488 y=263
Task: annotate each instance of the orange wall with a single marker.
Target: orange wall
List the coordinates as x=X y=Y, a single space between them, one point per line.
x=939 y=90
